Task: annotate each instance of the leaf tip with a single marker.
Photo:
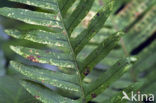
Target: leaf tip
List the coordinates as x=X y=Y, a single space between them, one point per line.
x=120 y=33
x=14 y=48
x=13 y=33
x=12 y=62
x=132 y=60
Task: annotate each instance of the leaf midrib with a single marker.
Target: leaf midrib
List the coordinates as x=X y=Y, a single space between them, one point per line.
x=73 y=54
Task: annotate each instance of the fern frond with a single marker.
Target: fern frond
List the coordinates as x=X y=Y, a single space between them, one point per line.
x=9 y=86
x=62 y=50
x=95 y=25
x=48 y=4
x=141 y=27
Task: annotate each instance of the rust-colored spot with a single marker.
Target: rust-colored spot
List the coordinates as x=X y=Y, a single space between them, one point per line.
x=87 y=71
x=93 y=95
x=98 y=14
x=49 y=26
x=88 y=18
x=137 y=14
x=38 y=56
x=32 y=58
x=36 y=97
x=64 y=32
x=30 y=51
x=42 y=81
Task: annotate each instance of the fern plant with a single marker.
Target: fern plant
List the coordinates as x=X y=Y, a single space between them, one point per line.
x=53 y=27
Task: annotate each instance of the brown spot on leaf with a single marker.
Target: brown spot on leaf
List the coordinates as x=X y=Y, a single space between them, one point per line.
x=49 y=26
x=137 y=14
x=87 y=71
x=42 y=81
x=55 y=17
x=30 y=51
x=36 y=97
x=88 y=18
x=93 y=95
x=32 y=58
x=38 y=56
x=98 y=14
x=64 y=32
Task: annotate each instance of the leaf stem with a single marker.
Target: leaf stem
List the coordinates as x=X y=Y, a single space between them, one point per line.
x=74 y=57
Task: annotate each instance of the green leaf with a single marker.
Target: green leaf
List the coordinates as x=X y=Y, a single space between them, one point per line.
x=146 y=59
x=94 y=27
x=108 y=77
x=40 y=36
x=149 y=80
x=101 y=51
x=78 y=14
x=142 y=29
x=64 y=5
x=53 y=30
x=46 y=4
x=12 y=92
x=132 y=11
x=31 y=17
x=44 y=94
x=56 y=79
x=41 y=56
